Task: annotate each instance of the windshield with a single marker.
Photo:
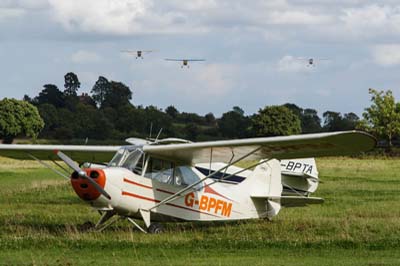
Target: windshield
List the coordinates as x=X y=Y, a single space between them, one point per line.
x=131 y=159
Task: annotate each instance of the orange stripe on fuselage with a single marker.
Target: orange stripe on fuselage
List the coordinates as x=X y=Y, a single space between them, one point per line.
x=137 y=184
x=124 y=193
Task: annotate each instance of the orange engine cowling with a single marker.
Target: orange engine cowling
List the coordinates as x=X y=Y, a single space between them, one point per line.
x=82 y=186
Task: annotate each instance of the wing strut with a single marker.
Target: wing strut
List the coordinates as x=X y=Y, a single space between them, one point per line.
x=49 y=167
x=179 y=193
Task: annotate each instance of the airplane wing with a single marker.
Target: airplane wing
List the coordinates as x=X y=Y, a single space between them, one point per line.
x=80 y=153
x=191 y=60
x=170 y=59
x=287 y=147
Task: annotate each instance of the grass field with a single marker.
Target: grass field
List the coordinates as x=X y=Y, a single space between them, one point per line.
x=359 y=224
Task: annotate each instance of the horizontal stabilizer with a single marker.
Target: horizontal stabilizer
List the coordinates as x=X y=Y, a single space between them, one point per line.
x=295 y=201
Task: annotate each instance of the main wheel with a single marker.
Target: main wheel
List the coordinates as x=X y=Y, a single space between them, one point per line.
x=155 y=228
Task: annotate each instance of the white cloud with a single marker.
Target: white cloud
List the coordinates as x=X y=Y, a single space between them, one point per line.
x=216 y=79
x=101 y=16
x=371 y=20
x=298 y=17
x=10 y=13
x=386 y=54
x=82 y=57
x=289 y=63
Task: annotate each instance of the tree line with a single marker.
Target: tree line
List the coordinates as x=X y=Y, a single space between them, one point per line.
x=107 y=113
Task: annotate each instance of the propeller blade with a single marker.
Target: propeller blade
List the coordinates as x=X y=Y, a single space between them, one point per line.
x=68 y=161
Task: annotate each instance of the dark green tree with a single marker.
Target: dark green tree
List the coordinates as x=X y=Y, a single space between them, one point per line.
x=100 y=89
x=238 y=110
x=118 y=95
x=276 y=121
x=210 y=119
x=310 y=122
x=51 y=95
x=334 y=121
x=234 y=125
x=18 y=118
x=71 y=84
x=172 y=111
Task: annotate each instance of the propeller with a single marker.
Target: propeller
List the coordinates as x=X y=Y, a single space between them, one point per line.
x=68 y=161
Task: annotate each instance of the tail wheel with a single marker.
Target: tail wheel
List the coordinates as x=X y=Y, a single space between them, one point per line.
x=155 y=228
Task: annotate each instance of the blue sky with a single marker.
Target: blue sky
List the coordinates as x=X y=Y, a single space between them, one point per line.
x=251 y=50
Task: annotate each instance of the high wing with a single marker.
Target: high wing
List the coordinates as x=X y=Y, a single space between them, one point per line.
x=80 y=153
x=287 y=147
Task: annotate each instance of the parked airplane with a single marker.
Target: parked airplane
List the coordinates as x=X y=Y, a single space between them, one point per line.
x=178 y=180
x=185 y=62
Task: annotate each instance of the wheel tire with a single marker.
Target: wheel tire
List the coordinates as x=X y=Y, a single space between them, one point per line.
x=155 y=228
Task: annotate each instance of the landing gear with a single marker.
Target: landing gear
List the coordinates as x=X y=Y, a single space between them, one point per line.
x=155 y=228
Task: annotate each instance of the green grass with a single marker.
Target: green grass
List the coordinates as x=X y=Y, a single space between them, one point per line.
x=359 y=224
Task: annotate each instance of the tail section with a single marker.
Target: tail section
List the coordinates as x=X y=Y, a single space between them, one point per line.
x=267 y=184
x=283 y=183
x=299 y=176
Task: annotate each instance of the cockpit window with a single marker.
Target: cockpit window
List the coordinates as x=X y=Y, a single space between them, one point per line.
x=168 y=173
x=129 y=159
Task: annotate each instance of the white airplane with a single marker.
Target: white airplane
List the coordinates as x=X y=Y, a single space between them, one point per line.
x=178 y=180
x=139 y=53
x=185 y=62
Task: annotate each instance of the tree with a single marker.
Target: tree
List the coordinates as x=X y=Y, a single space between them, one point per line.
x=238 y=110
x=172 y=111
x=51 y=95
x=334 y=121
x=382 y=118
x=100 y=89
x=234 y=125
x=310 y=122
x=118 y=95
x=350 y=121
x=210 y=119
x=276 y=121
x=18 y=118
x=71 y=84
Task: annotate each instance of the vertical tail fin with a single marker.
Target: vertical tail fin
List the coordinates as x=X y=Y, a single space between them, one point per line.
x=267 y=183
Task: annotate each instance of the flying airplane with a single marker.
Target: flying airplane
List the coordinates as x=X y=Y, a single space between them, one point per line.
x=139 y=53
x=311 y=62
x=178 y=180
x=184 y=61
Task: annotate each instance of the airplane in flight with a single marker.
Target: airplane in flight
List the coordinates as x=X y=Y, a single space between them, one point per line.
x=185 y=62
x=178 y=180
x=311 y=62
x=138 y=53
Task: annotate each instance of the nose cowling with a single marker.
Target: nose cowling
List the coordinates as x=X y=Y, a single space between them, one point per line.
x=83 y=188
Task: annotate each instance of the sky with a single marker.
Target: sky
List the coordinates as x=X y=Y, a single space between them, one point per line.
x=252 y=50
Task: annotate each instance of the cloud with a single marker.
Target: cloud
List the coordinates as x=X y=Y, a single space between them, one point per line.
x=217 y=79
x=386 y=54
x=82 y=57
x=10 y=13
x=371 y=20
x=297 y=17
x=289 y=63
x=101 y=16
